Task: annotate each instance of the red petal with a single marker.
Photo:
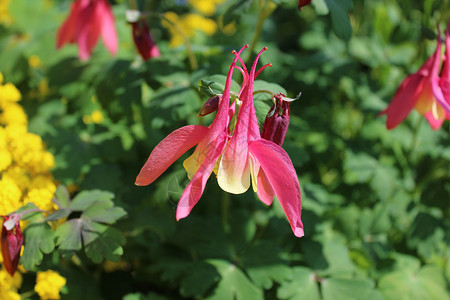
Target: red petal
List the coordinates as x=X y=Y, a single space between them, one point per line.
x=169 y=150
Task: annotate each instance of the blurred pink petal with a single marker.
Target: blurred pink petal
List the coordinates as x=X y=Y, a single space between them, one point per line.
x=143 y=40
x=87 y=21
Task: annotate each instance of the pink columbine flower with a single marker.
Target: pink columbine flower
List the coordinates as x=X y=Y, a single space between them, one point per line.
x=11 y=242
x=420 y=91
x=143 y=40
x=87 y=21
x=242 y=154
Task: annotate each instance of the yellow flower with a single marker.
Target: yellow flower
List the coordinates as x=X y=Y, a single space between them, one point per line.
x=10 y=196
x=5 y=17
x=189 y=25
x=49 y=284
x=34 y=61
x=95 y=117
x=9 y=285
x=40 y=192
x=5 y=159
x=207 y=7
x=9 y=93
x=12 y=113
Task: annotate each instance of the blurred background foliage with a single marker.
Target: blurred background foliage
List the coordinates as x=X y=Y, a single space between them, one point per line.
x=376 y=203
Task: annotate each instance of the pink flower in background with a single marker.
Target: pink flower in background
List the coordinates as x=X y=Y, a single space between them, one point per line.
x=143 y=40
x=11 y=242
x=87 y=21
x=420 y=91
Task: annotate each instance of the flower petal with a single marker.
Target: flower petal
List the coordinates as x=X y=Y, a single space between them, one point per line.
x=169 y=150
x=196 y=186
x=282 y=177
x=404 y=100
x=265 y=191
x=108 y=29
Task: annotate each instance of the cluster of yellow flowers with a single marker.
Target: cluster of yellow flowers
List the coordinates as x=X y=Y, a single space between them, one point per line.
x=49 y=284
x=24 y=177
x=186 y=26
x=24 y=163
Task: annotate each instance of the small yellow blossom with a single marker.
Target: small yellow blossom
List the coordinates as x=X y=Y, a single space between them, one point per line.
x=9 y=93
x=9 y=285
x=49 y=284
x=5 y=16
x=95 y=117
x=12 y=113
x=207 y=7
x=34 y=61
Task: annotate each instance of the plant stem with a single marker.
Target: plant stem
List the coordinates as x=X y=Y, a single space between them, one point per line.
x=265 y=8
x=192 y=60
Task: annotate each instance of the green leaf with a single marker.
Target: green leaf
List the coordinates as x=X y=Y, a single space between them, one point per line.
x=39 y=239
x=210 y=88
x=104 y=212
x=349 y=289
x=101 y=241
x=261 y=109
x=303 y=286
x=87 y=198
x=234 y=284
x=62 y=197
x=264 y=265
x=69 y=235
x=339 y=17
x=426 y=283
x=198 y=281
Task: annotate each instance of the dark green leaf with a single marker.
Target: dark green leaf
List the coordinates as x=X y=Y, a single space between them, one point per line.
x=303 y=286
x=38 y=239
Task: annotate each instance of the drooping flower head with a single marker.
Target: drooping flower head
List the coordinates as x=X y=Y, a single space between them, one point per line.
x=142 y=37
x=11 y=242
x=87 y=21
x=420 y=91
x=243 y=156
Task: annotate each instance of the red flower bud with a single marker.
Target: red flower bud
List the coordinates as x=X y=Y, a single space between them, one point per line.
x=143 y=40
x=302 y=3
x=277 y=121
x=11 y=242
x=211 y=105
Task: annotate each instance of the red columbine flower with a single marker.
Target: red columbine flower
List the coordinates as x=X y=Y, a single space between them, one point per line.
x=248 y=157
x=141 y=35
x=418 y=91
x=88 y=19
x=243 y=154
x=11 y=243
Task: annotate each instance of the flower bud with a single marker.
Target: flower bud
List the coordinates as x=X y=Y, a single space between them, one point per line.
x=211 y=105
x=11 y=243
x=302 y=3
x=144 y=41
x=277 y=121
